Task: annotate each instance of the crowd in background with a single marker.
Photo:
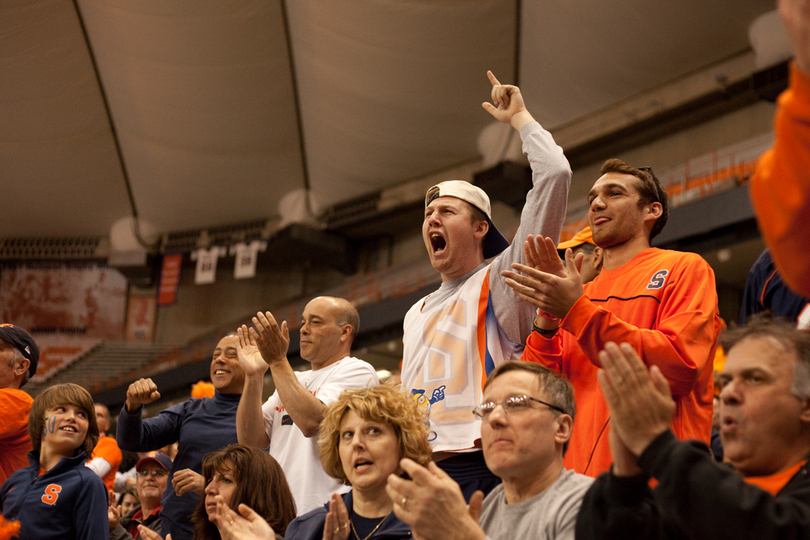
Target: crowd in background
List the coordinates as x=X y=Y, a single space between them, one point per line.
x=583 y=389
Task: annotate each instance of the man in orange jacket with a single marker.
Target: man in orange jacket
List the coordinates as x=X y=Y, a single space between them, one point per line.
x=19 y=356
x=662 y=302
x=780 y=188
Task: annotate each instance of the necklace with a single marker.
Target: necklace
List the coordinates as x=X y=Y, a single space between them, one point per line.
x=351 y=521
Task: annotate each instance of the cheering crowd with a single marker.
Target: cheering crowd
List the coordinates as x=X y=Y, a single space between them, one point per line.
x=549 y=390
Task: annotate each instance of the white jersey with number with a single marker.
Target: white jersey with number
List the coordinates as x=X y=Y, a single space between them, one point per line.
x=298 y=455
x=454 y=337
x=450 y=350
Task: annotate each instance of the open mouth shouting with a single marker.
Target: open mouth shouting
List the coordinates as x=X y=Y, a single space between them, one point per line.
x=437 y=243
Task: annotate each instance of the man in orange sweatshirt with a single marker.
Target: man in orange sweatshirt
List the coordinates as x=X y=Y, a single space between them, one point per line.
x=662 y=302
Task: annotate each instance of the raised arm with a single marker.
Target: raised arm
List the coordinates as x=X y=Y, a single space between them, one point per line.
x=780 y=189
x=507 y=104
x=272 y=342
x=545 y=208
x=138 y=435
x=249 y=419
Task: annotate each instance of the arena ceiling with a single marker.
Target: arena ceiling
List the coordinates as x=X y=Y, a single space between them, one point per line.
x=209 y=112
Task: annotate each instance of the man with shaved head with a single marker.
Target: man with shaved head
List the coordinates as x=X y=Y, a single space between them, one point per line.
x=288 y=422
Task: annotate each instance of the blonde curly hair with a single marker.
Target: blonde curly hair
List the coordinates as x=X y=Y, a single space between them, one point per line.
x=385 y=404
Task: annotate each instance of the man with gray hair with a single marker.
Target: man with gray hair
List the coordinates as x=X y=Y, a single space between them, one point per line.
x=765 y=429
x=527 y=417
x=19 y=356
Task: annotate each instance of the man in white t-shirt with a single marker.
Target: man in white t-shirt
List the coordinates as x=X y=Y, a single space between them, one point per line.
x=291 y=416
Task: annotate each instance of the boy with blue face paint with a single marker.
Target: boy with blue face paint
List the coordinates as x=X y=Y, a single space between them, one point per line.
x=57 y=496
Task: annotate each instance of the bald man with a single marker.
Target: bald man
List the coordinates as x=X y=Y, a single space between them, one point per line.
x=290 y=418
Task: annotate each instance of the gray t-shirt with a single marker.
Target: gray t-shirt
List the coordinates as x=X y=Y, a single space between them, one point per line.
x=550 y=515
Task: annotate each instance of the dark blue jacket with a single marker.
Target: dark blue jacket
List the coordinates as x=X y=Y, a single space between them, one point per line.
x=69 y=502
x=765 y=291
x=201 y=426
x=310 y=525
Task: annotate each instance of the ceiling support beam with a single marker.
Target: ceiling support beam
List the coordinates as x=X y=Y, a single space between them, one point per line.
x=301 y=142
x=113 y=131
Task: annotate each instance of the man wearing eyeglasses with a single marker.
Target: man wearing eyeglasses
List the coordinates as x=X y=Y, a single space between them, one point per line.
x=152 y=474
x=662 y=302
x=527 y=417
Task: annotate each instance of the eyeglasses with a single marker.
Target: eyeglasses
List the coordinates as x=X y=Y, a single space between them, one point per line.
x=154 y=472
x=514 y=404
x=658 y=187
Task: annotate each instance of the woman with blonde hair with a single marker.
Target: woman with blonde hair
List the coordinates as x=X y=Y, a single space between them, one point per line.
x=363 y=437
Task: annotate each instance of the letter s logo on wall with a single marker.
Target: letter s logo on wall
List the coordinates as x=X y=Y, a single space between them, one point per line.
x=658 y=280
x=51 y=494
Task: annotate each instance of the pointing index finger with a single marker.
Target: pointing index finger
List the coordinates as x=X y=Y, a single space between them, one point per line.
x=492 y=78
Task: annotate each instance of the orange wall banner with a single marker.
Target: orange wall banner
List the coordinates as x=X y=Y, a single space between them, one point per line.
x=141 y=318
x=169 y=279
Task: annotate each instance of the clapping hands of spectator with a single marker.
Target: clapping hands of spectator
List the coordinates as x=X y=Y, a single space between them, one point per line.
x=247 y=526
x=432 y=504
x=113 y=512
x=336 y=526
x=641 y=404
x=272 y=340
x=544 y=281
x=250 y=359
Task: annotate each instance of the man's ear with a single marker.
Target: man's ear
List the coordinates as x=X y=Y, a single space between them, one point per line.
x=804 y=415
x=564 y=425
x=21 y=367
x=655 y=210
x=346 y=332
x=481 y=228
x=598 y=258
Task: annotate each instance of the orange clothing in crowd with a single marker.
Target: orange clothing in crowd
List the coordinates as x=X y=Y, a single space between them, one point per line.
x=774 y=483
x=780 y=188
x=664 y=304
x=107 y=449
x=14 y=440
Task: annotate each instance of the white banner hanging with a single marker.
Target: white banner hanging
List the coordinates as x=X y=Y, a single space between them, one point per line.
x=207 y=264
x=246 y=256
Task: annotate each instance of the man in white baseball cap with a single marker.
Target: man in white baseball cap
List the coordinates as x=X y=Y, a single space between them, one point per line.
x=455 y=336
